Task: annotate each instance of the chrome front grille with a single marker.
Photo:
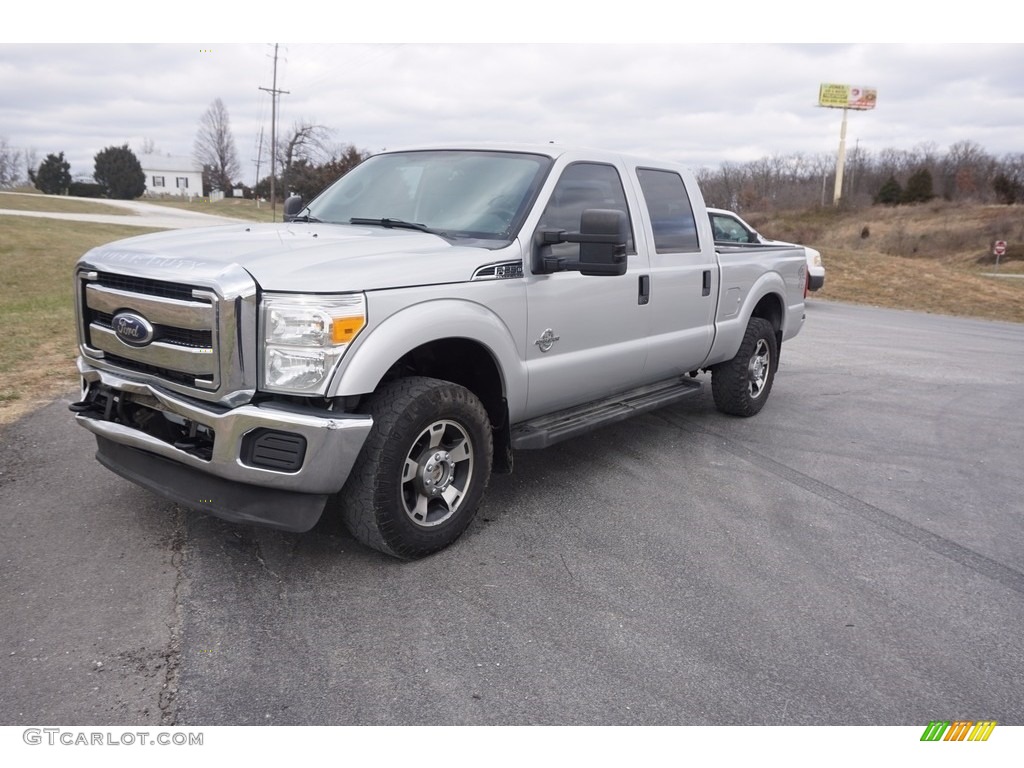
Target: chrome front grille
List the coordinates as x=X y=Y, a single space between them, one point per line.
x=199 y=340
x=183 y=317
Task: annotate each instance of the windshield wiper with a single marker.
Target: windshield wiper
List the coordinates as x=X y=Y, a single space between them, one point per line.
x=396 y=224
x=307 y=219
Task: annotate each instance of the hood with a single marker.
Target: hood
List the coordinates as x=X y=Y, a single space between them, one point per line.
x=300 y=257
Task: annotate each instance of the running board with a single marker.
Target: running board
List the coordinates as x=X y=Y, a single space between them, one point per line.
x=561 y=425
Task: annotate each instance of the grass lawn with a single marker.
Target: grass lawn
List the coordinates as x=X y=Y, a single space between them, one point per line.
x=249 y=210
x=16 y=201
x=38 y=347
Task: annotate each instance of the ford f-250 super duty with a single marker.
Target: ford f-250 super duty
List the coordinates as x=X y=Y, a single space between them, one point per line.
x=388 y=346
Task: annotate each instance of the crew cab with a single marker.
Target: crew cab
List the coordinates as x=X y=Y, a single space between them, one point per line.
x=391 y=344
x=729 y=228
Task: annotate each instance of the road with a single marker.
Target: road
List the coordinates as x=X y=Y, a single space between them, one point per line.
x=141 y=214
x=853 y=555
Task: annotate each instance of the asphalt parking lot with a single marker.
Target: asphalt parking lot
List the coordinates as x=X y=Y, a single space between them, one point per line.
x=854 y=555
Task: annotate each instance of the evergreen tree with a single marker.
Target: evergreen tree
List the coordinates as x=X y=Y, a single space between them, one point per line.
x=919 y=187
x=120 y=173
x=890 y=192
x=53 y=176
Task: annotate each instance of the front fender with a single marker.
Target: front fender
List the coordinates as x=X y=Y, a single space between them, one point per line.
x=425 y=322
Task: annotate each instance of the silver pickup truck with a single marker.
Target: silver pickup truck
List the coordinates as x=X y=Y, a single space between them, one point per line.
x=389 y=346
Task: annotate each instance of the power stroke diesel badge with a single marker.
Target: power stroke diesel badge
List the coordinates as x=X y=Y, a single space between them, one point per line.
x=134 y=330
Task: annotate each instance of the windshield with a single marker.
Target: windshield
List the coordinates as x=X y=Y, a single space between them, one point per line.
x=456 y=193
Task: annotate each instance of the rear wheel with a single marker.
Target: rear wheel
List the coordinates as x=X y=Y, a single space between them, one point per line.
x=741 y=385
x=423 y=469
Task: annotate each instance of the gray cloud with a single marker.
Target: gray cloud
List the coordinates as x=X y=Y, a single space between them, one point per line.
x=701 y=104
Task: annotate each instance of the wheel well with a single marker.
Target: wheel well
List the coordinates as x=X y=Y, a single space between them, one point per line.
x=770 y=308
x=468 y=364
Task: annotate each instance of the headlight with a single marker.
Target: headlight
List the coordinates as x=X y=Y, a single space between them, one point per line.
x=305 y=336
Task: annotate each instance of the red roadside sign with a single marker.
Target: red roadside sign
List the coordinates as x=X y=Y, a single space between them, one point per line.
x=999 y=248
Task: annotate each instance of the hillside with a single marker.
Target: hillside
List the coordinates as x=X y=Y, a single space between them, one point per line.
x=933 y=257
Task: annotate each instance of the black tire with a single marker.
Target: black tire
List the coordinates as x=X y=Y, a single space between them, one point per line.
x=423 y=469
x=742 y=385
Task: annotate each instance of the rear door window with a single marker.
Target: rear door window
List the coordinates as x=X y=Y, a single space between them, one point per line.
x=668 y=205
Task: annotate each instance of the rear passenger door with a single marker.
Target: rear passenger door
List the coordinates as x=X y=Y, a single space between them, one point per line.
x=684 y=277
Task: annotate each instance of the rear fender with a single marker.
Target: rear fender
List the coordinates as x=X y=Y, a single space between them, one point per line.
x=730 y=330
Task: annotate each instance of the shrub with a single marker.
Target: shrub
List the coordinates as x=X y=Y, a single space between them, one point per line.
x=85 y=189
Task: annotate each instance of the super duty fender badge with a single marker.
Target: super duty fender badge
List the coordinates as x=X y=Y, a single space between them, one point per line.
x=546 y=341
x=132 y=329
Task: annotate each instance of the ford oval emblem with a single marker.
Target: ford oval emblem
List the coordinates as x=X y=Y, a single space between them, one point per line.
x=134 y=330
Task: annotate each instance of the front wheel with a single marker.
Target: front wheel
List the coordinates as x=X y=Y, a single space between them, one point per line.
x=741 y=385
x=423 y=469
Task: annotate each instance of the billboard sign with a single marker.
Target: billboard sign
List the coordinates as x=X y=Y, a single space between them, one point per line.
x=847 y=96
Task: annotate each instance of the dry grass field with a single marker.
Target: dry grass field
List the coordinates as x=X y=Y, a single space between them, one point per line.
x=931 y=258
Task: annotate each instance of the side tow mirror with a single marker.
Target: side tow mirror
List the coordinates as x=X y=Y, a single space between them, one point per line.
x=603 y=237
x=292 y=206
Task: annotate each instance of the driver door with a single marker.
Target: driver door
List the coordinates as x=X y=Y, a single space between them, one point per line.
x=586 y=335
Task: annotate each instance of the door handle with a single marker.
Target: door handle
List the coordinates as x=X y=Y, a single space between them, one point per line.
x=645 y=290
x=707 y=283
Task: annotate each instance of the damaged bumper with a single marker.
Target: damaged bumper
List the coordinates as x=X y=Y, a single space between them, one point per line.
x=269 y=463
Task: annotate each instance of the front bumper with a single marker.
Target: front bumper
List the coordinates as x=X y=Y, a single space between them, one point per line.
x=221 y=479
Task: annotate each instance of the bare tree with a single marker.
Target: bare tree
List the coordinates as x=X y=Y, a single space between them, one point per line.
x=1008 y=180
x=9 y=173
x=30 y=158
x=722 y=188
x=214 y=148
x=967 y=170
x=306 y=142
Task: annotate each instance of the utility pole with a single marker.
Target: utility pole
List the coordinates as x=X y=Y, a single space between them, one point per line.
x=273 y=91
x=259 y=156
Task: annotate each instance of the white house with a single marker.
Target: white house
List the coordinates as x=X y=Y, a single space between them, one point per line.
x=171 y=175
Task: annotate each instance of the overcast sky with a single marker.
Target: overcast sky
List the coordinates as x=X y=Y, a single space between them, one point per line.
x=697 y=103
